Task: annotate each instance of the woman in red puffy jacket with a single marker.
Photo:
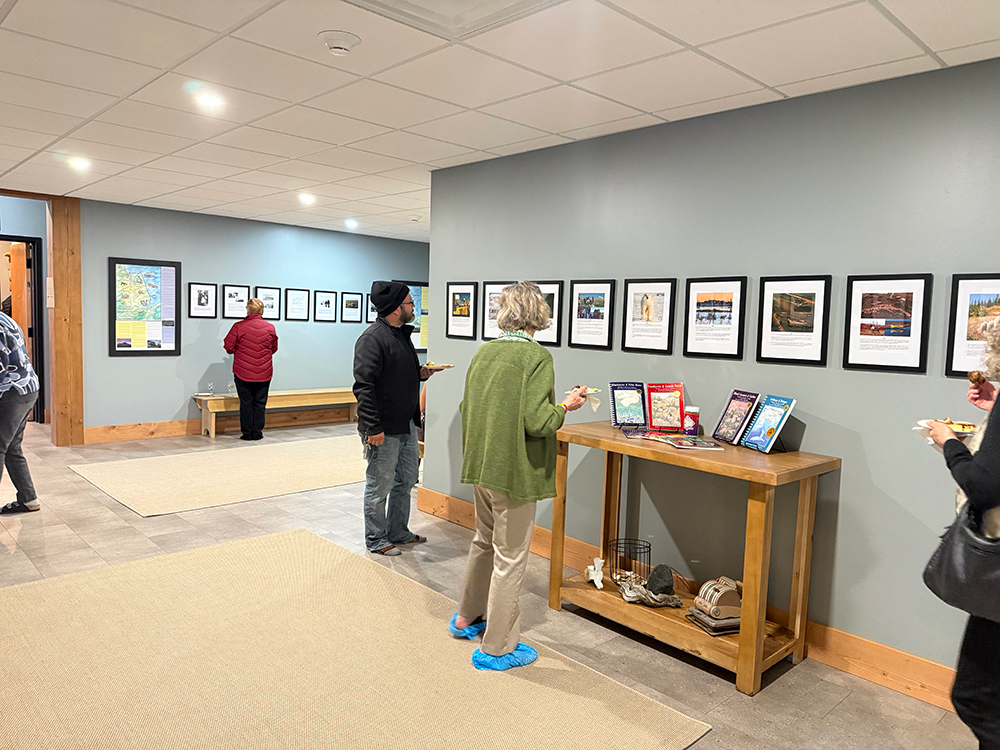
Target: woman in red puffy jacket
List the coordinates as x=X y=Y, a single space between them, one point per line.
x=253 y=341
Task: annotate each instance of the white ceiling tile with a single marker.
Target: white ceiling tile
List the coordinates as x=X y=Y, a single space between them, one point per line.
x=697 y=21
x=332 y=211
x=410 y=146
x=465 y=77
x=119 y=135
x=182 y=179
x=418 y=174
x=233 y=62
x=24 y=138
x=308 y=170
x=288 y=201
x=718 y=105
x=207 y=193
x=574 y=39
x=383 y=104
x=401 y=202
x=246 y=189
x=194 y=167
x=295 y=24
x=15 y=154
x=269 y=142
x=101 y=192
x=49 y=61
x=40 y=121
x=532 y=145
x=618 y=126
x=34 y=184
x=361 y=208
x=233 y=157
x=177 y=203
x=424 y=195
x=319 y=125
x=6 y=164
x=108 y=28
x=843 y=39
x=51 y=97
x=343 y=193
x=217 y=15
x=672 y=81
x=560 y=108
x=976 y=52
x=856 y=77
x=107 y=152
x=455 y=161
x=232 y=210
x=297 y=218
x=59 y=161
x=280 y=181
x=180 y=92
x=476 y=130
x=125 y=183
x=377 y=220
x=955 y=23
x=398 y=217
x=359 y=161
x=379 y=184
x=163 y=120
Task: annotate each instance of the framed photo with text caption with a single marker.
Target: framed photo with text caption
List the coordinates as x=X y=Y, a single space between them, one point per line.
x=887 y=322
x=591 y=313
x=714 y=317
x=648 y=316
x=461 y=312
x=793 y=320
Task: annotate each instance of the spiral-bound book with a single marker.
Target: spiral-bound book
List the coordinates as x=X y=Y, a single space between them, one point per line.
x=666 y=406
x=770 y=417
x=736 y=416
x=628 y=404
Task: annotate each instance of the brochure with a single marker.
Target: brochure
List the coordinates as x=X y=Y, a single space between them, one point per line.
x=628 y=404
x=695 y=443
x=666 y=406
x=735 y=416
x=772 y=413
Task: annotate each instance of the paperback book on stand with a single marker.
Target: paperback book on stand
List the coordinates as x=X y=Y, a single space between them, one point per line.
x=771 y=415
x=693 y=443
x=666 y=406
x=736 y=416
x=628 y=404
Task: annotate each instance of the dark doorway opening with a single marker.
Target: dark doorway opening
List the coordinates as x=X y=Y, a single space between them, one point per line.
x=22 y=296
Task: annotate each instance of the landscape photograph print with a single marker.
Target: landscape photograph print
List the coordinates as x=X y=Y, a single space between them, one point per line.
x=793 y=312
x=886 y=314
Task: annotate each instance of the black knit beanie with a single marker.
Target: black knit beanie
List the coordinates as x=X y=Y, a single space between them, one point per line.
x=388 y=295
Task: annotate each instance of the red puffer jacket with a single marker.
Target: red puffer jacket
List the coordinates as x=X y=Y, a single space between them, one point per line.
x=253 y=340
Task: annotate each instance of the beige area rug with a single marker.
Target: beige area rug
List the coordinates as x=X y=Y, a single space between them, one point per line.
x=286 y=641
x=202 y=479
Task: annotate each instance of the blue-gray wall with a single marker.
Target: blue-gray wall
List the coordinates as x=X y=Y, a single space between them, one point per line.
x=221 y=250
x=898 y=176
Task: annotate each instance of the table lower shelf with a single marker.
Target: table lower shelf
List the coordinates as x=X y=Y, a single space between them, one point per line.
x=670 y=625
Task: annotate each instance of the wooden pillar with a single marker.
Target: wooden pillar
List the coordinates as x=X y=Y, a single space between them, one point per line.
x=66 y=334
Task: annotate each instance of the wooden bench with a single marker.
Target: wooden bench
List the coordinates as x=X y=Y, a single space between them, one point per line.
x=342 y=398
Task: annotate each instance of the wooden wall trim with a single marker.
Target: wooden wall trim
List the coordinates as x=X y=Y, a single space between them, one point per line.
x=66 y=334
x=140 y=431
x=918 y=677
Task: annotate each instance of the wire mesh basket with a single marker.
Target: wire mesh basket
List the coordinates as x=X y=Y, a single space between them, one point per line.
x=630 y=561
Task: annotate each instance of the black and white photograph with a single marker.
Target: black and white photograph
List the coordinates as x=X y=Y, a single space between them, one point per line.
x=271 y=298
x=350 y=307
x=234 y=300
x=203 y=300
x=591 y=313
x=296 y=304
x=974 y=315
x=462 y=299
x=793 y=320
x=491 y=306
x=886 y=322
x=552 y=292
x=715 y=317
x=324 y=306
x=648 y=316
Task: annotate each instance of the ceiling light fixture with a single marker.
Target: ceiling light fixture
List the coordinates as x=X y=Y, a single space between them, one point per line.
x=307 y=200
x=339 y=43
x=80 y=164
x=210 y=101
x=350 y=223
x=414 y=217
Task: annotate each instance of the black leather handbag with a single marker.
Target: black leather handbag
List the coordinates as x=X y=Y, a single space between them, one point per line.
x=965 y=570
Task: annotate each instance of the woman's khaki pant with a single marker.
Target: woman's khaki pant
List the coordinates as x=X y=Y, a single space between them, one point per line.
x=497 y=560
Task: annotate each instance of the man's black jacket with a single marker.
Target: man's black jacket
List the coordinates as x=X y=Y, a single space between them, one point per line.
x=386 y=379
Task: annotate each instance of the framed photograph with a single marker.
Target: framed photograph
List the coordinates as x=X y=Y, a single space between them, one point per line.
x=234 y=300
x=372 y=312
x=591 y=313
x=296 y=304
x=648 y=316
x=887 y=322
x=203 y=300
x=715 y=316
x=975 y=312
x=793 y=321
x=350 y=307
x=144 y=307
x=421 y=302
x=461 y=320
x=491 y=306
x=271 y=297
x=552 y=291
x=324 y=306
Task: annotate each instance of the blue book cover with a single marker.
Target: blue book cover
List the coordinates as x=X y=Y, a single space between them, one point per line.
x=628 y=404
x=772 y=413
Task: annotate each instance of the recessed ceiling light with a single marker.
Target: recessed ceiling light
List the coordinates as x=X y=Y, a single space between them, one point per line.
x=210 y=101
x=80 y=164
x=350 y=223
x=307 y=199
x=339 y=43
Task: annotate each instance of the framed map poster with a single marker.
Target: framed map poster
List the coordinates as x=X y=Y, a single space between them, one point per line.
x=421 y=302
x=144 y=307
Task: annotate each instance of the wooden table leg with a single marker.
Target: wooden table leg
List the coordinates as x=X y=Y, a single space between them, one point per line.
x=799 y=601
x=756 y=559
x=558 y=526
x=207 y=422
x=611 y=503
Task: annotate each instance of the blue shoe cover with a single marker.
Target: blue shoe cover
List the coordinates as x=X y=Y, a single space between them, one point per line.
x=471 y=632
x=519 y=657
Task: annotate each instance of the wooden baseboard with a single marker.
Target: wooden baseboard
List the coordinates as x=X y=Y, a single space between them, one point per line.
x=286 y=419
x=921 y=678
x=140 y=431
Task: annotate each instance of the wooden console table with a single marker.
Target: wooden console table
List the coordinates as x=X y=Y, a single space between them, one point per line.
x=760 y=643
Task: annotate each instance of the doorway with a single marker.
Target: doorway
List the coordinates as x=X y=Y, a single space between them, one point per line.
x=22 y=297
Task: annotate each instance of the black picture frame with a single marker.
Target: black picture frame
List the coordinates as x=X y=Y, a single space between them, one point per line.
x=225 y=296
x=927 y=280
x=195 y=287
x=556 y=309
x=670 y=307
x=609 y=314
x=957 y=296
x=333 y=306
x=256 y=293
x=345 y=297
x=371 y=314
x=452 y=287
x=297 y=292
x=827 y=282
x=490 y=287
x=150 y=351
x=742 y=281
x=419 y=306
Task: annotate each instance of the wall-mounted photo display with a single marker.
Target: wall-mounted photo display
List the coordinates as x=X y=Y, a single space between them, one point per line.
x=461 y=320
x=144 y=307
x=715 y=317
x=234 y=300
x=203 y=300
x=296 y=304
x=491 y=306
x=350 y=307
x=324 y=306
x=552 y=291
x=591 y=313
x=975 y=313
x=887 y=322
x=420 y=293
x=793 y=322
x=271 y=297
x=648 y=316
x=372 y=312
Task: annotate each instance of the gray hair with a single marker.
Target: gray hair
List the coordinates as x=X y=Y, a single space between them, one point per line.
x=992 y=359
x=522 y=306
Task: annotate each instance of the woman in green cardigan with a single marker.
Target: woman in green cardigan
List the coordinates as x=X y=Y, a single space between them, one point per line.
x=509 y=423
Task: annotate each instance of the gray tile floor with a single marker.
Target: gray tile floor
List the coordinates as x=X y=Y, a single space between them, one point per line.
x=806 y=706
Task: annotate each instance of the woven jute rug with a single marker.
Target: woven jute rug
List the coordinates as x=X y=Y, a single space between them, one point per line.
x=202 y=479
x=286 y=641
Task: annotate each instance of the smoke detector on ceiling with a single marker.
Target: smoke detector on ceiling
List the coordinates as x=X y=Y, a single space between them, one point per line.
x=339 y=43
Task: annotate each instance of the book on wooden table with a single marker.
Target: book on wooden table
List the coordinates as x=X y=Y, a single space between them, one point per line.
x=693 y=443
x=666 y=406
x=771 y=415
x=628 y=404
x=736 y=416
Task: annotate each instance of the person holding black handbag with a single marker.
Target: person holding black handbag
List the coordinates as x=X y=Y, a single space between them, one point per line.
x=976 y=469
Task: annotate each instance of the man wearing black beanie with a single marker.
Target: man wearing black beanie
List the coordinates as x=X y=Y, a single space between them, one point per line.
x=387 y=377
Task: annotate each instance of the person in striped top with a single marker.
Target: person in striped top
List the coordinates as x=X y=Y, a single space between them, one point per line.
x=18 y=393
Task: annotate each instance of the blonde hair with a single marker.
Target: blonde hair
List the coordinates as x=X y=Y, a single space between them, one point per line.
x=522 y=306
x=992 y=359
x=255 y=307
